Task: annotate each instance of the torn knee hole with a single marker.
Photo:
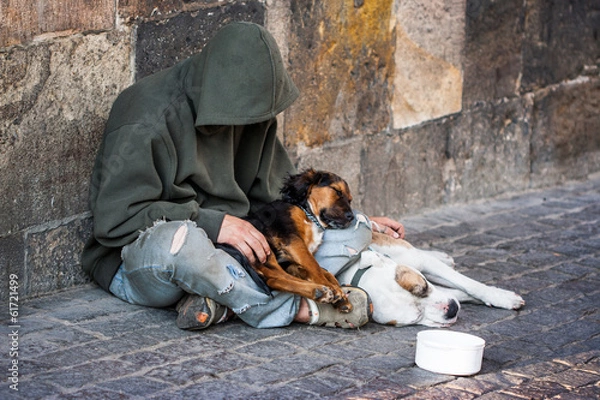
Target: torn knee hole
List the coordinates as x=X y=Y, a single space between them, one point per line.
x=226 y=289
x=178 y=239
x=351 y=251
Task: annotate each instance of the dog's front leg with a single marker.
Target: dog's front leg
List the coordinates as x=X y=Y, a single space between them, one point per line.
x=278 y=279
x=306 y=267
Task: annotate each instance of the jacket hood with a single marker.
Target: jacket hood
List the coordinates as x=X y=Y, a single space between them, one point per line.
x=239 y=78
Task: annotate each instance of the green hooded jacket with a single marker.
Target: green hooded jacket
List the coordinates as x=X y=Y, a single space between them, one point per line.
x=194 y=142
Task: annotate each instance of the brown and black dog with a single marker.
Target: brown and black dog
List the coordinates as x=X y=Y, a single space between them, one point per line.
x=311 y=202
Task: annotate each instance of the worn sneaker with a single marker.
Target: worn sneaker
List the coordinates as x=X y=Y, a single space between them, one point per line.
x=327 y=315
x=196 y=312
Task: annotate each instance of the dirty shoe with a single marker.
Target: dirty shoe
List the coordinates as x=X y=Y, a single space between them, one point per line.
x=327 y=315
x=196 y=312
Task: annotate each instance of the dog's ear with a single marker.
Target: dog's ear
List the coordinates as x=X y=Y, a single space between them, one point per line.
x=295 y=188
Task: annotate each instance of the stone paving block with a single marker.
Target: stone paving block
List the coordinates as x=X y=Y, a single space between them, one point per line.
x=67 y=357
x=573 y=378
x=441 y=393
x=34 y=390
x=535 y=258
x=354 y=372
x=588 y=392
x=575 y=269
x=385 y=364
x=87 y=374
x=534 y=369
x=223 y=361
x=149 y=358
x=196 y=344
x=258 y=376
x=300 y=364
x=181 y=374
x=565 y=334
x=321 y=385
x=136 y=386
x=346 y=351
x=59 y=338
x=417 y=378
x=313 y=339
x=388 y=340
x=501 y=270
x=94 y=393
x=279 y=393
x=536 y=390
x=481 y=239
x=211 y=389
x=377 y=389
x=580 y=286
x=474 y=386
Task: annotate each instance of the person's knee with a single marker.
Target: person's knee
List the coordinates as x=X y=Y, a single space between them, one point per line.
x=165 y=241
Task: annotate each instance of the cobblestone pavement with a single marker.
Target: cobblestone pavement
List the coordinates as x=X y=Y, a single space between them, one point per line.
x=82 y=343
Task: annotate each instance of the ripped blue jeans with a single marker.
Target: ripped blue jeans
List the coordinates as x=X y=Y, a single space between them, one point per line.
x=173 y=258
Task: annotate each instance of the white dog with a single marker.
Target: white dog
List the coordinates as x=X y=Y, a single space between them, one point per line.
x=399 y=278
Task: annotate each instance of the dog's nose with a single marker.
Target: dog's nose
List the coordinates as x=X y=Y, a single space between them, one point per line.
x=349 y=215
x=452 y=309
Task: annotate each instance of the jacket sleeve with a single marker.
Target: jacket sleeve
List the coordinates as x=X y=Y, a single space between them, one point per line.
x=128 y=192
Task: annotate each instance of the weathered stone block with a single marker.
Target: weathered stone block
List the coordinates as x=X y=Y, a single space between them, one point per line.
x=428 y=76
x=11 y=262
x=487 y=152
x=474 y=155
x=55 y=99
x=23 y=20
x=565 y=138
x=494 y=35
x=162 y=44
x=52 y=258
x=403 y=172
x=561 y=38
x=341 y=59
x=160 y=9
x=148 y=8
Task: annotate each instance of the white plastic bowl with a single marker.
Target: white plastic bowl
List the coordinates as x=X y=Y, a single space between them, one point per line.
x=449 y=352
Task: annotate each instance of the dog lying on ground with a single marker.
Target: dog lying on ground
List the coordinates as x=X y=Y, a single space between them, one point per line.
x=398 y=277
x=400 y=280
x=312 y=201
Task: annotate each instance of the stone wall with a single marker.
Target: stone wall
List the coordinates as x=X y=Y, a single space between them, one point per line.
x=417 y=104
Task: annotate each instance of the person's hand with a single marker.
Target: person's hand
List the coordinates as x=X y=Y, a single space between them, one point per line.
x=245 y=237
x=388 y=226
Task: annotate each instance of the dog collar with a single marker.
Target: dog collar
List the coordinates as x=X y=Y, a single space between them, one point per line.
x=312 y=217
x=357 y=275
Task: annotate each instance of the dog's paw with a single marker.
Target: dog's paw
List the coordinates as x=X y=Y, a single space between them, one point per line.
x=343 y=305
x=324 y=294
x=506 y=299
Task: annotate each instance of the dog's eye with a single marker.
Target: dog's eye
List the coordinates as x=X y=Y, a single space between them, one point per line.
x=339 y=193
